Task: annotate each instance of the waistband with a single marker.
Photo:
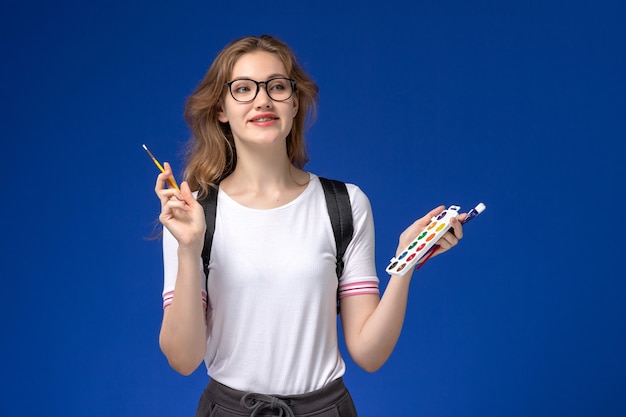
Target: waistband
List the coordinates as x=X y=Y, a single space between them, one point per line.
x=255 y=404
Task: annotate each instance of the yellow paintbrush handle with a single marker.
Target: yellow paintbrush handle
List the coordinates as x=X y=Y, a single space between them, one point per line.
x=170 y=180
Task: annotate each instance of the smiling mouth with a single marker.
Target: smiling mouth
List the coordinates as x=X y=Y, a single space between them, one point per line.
x=264 y=119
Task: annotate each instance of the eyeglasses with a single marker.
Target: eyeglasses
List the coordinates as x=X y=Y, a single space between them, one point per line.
x=244 y=90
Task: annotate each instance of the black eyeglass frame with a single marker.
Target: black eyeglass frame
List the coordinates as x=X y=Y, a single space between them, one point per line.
x=258 y=88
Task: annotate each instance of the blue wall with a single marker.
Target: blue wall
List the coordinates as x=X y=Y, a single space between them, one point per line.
x=517 y=104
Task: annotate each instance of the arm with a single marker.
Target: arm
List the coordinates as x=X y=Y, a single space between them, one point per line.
x=372 y=326
x=183 y=330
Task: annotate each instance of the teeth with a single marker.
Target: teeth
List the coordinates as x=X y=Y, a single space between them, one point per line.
x=264 y=119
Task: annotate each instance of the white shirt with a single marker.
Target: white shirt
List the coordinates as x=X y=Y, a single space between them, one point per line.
x=272 y=288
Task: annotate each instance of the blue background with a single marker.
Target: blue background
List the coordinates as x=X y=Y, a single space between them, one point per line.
x=520 y=105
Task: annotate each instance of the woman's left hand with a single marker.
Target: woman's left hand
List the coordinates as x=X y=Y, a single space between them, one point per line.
x=447 y=241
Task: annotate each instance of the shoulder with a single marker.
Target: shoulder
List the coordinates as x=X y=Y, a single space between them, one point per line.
x=358 y=198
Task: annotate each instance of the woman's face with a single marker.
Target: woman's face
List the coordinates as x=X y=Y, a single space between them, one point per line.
x=261 y=121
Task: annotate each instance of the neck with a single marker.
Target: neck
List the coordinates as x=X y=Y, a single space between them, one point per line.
x=265 y=180
x=262 y=167
x=261 y=176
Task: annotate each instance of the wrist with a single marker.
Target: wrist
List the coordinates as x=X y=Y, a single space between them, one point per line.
x=189 y=251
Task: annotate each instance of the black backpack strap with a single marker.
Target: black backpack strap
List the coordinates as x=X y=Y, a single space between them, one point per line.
x=340 y=212
x=209 y=204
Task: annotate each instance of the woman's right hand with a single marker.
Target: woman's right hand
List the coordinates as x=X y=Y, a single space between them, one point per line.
x=180 y=212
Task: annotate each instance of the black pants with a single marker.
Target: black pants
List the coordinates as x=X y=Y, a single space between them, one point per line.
x=333 y=400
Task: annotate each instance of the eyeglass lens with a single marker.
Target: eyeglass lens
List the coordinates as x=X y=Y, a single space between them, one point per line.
x=278 y=89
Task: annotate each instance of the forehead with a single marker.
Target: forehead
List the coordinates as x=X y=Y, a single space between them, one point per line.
x=258 y=65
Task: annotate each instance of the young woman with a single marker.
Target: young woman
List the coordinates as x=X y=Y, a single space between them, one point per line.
x=266 y=325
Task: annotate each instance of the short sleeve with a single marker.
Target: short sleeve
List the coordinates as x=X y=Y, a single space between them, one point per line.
x=359 y=275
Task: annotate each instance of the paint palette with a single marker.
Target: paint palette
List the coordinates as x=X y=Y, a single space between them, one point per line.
x=425 y=240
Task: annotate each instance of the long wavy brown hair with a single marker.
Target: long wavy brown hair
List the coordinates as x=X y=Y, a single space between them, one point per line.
x=210 y=154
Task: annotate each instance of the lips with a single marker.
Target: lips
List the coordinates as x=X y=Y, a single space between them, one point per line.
x=261 y=118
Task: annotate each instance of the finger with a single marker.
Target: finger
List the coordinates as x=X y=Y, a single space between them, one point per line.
x=457 y=227
x=167 y=194
x=171 y=181
x=166 y=185
x=182 y=200
x=434 y=212
x=160 y=182
x=175 y=204
x=169 y=176
x=417 y=226
x=447 y=241
x=422 y=222
x=185 y=192
x=164 y=176
x=186 y=195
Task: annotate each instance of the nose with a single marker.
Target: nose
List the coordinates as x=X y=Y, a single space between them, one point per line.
x=262 y=98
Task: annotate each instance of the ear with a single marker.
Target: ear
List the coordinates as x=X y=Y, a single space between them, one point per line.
x=221 y=114
x=296 y=104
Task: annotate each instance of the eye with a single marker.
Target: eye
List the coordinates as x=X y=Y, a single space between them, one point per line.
x=279 y=84
x=241 y=86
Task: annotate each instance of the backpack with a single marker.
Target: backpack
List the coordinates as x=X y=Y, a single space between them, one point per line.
x=339 y=212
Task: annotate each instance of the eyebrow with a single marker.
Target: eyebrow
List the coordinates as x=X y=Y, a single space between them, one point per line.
x=275 y=75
